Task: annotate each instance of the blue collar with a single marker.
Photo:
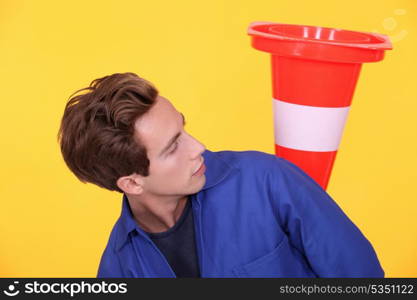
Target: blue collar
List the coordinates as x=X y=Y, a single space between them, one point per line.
x=216 y=170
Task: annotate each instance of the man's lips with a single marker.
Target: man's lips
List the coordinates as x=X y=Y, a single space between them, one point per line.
x=199 y=168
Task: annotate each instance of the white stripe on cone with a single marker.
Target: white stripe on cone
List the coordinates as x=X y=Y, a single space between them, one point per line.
x=308 y=128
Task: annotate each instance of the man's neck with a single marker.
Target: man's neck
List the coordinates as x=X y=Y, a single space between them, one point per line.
x=157 y=215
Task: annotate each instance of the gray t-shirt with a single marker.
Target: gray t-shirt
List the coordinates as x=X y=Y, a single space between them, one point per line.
x=178 y=245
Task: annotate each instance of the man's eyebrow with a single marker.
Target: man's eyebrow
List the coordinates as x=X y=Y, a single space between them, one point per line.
x=174 y=138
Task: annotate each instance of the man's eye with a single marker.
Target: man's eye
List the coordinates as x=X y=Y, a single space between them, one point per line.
x=175 y=148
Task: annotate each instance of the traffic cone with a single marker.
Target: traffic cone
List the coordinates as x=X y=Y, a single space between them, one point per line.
x=314 y=74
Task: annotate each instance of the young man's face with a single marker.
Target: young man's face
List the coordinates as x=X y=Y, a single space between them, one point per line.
x=174 y=155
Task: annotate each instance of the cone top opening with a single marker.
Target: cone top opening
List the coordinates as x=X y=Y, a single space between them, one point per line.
x=277 y=38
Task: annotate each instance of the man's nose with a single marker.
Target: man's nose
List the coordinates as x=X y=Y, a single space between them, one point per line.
x=198 y=148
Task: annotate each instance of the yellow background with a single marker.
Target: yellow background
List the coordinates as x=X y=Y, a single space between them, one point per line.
x=199 y=56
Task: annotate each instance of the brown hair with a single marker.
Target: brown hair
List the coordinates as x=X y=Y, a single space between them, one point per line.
x=97 y=129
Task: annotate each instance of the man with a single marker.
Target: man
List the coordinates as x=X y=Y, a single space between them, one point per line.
x=190 y=212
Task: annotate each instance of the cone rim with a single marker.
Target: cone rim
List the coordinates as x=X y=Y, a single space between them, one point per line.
x=381 y=41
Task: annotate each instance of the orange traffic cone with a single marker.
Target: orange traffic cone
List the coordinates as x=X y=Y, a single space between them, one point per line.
x=314 y=74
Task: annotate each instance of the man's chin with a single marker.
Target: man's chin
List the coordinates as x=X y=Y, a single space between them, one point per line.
x=201 y=184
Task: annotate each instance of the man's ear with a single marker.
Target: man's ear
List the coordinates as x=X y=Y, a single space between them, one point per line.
x=132 y=184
